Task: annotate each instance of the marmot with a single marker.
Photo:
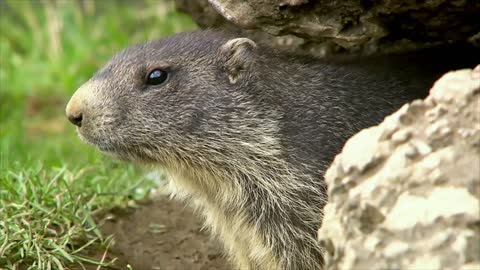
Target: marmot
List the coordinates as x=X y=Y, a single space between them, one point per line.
x=245 y=132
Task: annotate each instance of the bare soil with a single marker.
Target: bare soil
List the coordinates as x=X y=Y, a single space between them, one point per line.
x=161 y=234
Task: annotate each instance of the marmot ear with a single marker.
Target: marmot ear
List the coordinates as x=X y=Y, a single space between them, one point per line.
x=238 y=55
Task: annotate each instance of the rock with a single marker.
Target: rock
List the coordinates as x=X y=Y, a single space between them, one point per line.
x=321 y=27
x=207 y=16
x=405 y=194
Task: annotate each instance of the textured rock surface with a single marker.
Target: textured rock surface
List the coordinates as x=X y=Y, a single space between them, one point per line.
x=207 y=17
x=324 y=25
x=405 y=194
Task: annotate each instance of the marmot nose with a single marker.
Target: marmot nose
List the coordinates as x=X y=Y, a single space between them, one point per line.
x=76 y=119
x=74 y=110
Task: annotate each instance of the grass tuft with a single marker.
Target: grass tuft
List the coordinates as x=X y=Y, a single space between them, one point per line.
x=52 y=185
x=47 y=214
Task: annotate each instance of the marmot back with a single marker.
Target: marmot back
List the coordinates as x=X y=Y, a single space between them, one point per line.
x=244 y=132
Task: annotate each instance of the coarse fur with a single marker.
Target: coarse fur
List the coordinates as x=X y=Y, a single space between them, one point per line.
x=244 y=132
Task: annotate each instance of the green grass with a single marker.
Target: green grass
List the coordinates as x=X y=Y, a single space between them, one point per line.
x=51 y=185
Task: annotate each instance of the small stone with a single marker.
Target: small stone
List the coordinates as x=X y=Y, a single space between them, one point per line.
x=439 y=129
x=435 y=113
x=416 y=106
x=402 y=136
x=411 y=152
x=440 y=240
x=352 y=161
x=422 y=148
x=372 y=242
x=438 y=177
x=404 y=116
x=395 y=249
x=391 y=125
x=467 y=132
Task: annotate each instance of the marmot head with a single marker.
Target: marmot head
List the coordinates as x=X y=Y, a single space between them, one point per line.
x=168 y=96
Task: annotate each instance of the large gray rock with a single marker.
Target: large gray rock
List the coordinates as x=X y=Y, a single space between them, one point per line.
x=405 y=194
x=206 y=16
x=324 y=26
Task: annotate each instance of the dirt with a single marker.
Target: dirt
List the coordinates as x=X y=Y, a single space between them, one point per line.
x=159 y=235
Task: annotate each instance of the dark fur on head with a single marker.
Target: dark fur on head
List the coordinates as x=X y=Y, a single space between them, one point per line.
x=244 y=132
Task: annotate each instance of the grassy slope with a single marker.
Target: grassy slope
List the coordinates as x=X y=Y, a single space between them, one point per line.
x=50 y=183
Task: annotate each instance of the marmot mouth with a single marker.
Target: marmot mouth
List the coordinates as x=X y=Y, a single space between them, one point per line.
x=117 y=150
x=100 y=143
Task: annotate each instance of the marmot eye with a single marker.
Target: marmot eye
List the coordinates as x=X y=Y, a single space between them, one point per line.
x=156 y=77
